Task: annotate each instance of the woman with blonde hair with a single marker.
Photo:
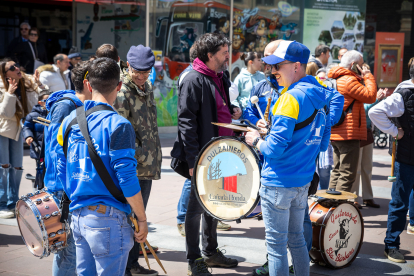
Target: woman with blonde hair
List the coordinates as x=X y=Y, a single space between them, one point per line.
x=18 y=94
x=311 y=68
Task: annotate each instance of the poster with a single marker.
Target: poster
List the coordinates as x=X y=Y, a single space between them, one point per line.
x=337 y=24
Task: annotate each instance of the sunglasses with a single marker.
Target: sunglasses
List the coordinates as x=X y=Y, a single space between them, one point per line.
x=13 y=67
x=277 y=66
x=33 y=34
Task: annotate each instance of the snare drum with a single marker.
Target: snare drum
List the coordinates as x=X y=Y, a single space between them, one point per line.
x=338 y=232
x=227 y=178
x=38 y=218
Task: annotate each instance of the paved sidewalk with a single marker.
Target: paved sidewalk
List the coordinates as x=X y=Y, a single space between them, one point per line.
x=245 y=241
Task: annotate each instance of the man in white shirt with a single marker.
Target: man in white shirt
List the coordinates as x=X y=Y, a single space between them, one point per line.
x=395 y=116
x=57 y=75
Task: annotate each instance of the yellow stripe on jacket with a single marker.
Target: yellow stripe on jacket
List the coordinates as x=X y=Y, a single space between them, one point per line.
x=286 y=105
x=60 y=135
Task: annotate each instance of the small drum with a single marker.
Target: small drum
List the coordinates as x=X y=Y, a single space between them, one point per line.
x=38 y=218
x=227 y=178
x=338 y=232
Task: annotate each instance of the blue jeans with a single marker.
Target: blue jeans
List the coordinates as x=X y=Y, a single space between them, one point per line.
x=307 y=228
x=103 y=241
x=64 y=262
x=324 y=177
x=411 y=208
x=183 y=203
x=283 y=214
x=397 y=209
x=11 y=154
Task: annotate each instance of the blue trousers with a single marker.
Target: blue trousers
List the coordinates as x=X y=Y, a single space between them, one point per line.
x=401 y=190
x=183 y=202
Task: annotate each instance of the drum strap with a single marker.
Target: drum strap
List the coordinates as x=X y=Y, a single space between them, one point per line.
x=95 y=158
x=64 y=206
x=309 y=119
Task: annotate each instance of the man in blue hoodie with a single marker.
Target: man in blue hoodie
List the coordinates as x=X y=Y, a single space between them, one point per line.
x=60 y=104
x=99 y=220
x=289 y=156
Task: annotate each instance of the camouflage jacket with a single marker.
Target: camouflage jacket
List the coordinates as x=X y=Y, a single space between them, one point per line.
x=139 y=108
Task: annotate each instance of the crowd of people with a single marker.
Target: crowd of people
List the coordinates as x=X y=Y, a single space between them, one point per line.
x=104 y=109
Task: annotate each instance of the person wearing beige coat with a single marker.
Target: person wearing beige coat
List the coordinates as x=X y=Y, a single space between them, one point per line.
x=18 y=94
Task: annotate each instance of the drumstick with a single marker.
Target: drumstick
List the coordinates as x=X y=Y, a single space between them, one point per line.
x=392 y=178
x=36 y=121
x=155 y=256
x=267 y=111
x=254 y=100
x=141 y=243
x=43 y=119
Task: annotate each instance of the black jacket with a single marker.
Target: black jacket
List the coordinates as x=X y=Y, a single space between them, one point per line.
x=33 y=129
x=405 y=148
x=24 y=56
x=196 y=111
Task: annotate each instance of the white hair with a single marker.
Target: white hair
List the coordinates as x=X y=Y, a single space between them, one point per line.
x=25 y=23
x=349 y=57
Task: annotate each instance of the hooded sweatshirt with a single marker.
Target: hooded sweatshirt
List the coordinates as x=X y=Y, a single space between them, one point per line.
x=312 y=58
x=58 y=110
x=245 y=82
x=290 y=155
x=222 y=103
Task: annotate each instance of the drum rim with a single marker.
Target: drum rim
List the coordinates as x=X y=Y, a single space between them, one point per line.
x=38 y=216
x=194 y=177
x=322 y=232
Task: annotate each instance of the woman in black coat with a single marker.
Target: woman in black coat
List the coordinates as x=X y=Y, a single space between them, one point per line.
x=24 y=54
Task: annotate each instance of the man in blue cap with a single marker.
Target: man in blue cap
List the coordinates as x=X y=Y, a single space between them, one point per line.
x=300 y=130
x=135 y=101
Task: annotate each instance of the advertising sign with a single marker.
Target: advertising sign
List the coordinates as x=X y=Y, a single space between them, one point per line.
x=335 y=23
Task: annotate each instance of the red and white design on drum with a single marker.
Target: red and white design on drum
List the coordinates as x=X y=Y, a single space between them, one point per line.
x=342 y=235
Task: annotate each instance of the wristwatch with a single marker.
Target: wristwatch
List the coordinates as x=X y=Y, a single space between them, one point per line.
x=256 y=141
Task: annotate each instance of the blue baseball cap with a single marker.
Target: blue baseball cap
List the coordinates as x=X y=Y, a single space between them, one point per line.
x=141 y=58
x=289 y=50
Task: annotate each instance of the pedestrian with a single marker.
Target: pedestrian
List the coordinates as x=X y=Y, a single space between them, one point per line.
x=18 y=94
x=311 y=68
x=74 y=57
x=59 y=105
x=23 y=37
x=394 y=116
x=33 y=131
x=321 y=74
x=321 y=56
x=31 y=54
x=136 y=103
x=345 y=137
x=284 y=191
x=56 y=76
x=197 y=108
x=341 y=53
x=99 y=220
x=248 y=78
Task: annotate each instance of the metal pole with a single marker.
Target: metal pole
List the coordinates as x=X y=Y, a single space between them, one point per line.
x=147 y=21
x=74 y=23
x=231 y=35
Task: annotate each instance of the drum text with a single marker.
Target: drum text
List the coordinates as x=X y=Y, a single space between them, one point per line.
x=227 y=198
x=232 y=149
x=344 y=214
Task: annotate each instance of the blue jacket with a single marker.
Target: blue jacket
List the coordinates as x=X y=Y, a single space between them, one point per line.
x=152 y=76
x=114 y=139
x=290 y=155
x=34 y=130
x=263 y=91
x=57 y=112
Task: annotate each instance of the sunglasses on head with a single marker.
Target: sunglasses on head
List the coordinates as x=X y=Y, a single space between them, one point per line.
x=13 y=67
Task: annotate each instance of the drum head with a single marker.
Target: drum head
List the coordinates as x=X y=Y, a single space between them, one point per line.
x=227 y=178
x=343 y=235
x=30 y=228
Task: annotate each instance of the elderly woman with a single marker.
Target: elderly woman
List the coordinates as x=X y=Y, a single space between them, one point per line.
x=18 y=94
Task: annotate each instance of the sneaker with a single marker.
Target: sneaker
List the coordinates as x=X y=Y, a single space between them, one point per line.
x=262 y=271
x=219 y=260
x=223 y=226
x=410 y=229
x=181 y=229
x=155 y=248
x=291 y=271
x=137 y=269
x=394 y=254
x=6 y=214
x=371 y=203
x=199 y=268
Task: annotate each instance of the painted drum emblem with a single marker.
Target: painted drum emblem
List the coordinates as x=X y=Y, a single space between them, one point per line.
x=228 y=179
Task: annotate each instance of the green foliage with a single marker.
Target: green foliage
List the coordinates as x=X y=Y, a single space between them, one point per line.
x=167 y=108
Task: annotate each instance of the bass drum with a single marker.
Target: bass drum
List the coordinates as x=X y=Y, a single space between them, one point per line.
x=338 y=232
x=227 y=178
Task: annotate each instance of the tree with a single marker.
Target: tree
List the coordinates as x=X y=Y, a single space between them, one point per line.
x=214 y=171
x=359 y=27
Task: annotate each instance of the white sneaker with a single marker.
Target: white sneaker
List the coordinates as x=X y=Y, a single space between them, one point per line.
x=410 y=229
x=5 y=214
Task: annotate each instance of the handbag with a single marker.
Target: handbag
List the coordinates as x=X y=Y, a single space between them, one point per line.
x=370 y=139
x=37 y=62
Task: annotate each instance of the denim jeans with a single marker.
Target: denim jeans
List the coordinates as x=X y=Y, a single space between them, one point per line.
x=64 y=262
x=411 y=208
x=324 y=176
x=11 y=153
x=397 y=209
x=134 y=253
x=183 y=203
x=307 y=228
x=103 y=241
x=283 y=214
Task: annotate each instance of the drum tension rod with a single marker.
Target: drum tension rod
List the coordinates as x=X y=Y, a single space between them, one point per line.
x=314 y=223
